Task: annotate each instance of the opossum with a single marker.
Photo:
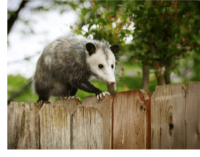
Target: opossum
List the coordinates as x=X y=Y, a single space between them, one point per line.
x=67 y=64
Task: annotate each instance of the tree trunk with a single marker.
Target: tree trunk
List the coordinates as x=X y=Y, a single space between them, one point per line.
x=159 y=70
x=13 y=18
x=160 y=76
x=145 y=77
x=167 y=75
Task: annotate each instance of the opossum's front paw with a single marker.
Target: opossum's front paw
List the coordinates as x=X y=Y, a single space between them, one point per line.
x=102 y=95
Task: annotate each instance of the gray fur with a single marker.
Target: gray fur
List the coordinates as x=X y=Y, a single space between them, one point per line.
x=62 y=67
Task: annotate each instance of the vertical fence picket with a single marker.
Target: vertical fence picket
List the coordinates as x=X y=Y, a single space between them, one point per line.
x=92 y=124
x=23 y=126
x=14 y=116
x=55 y=124
x=193 y=115
x=168 y=117
x=29 y=129
x=130 y=120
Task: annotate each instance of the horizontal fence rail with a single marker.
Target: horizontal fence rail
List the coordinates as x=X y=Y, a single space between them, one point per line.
x=167 y=119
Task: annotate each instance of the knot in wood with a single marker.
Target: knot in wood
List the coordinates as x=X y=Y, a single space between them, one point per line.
x=171 y=126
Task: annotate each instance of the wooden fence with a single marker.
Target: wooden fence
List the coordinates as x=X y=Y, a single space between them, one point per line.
x=167 y=119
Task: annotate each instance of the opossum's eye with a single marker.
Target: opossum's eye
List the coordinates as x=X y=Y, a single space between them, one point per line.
x=100 y=66
x=112 y=66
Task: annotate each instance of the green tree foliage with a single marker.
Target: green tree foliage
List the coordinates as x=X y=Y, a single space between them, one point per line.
x=160 y=38
x=190 y=29
x=104 y=20
x=190 y=24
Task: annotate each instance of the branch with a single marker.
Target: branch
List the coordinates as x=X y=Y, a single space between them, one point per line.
x=13 y=18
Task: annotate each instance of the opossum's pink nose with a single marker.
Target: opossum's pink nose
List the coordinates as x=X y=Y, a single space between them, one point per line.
x=111 y=82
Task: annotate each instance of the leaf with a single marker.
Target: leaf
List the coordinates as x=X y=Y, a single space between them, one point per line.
x=84 y=11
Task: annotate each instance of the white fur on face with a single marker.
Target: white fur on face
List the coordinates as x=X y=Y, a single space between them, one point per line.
x=106 y=73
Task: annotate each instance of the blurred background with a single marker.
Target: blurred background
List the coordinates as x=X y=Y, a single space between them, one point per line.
x=159 y=40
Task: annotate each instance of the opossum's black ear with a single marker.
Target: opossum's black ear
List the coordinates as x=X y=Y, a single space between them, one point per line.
x=90 y=48
x=114 y=48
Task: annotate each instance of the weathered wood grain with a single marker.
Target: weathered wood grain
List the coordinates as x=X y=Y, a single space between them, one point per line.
x=92 y=124
x=55 y=124
x=87 y=128
x=168 y=117
x=105 y=106
x=67 y=124
x=23 y=126
x=130 y=120
x=29 y=129
x=14 y=115
x=193 y=115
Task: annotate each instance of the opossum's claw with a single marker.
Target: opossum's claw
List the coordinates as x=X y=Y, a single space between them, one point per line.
x=102 y=95
x=99 y=96
x=106 y=93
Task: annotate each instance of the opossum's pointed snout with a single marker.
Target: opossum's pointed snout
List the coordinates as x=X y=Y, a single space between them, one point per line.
x=111 y=82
